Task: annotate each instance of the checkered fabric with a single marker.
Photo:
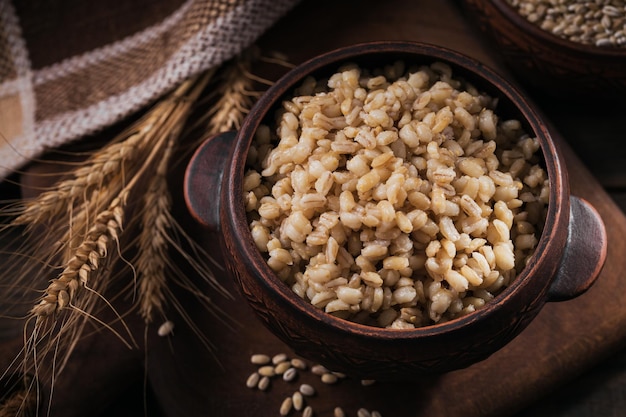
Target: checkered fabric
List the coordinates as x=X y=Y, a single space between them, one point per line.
x=69 y=68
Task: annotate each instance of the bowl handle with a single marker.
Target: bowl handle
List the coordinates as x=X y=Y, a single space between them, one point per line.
x=203 y=179
x=585 y=252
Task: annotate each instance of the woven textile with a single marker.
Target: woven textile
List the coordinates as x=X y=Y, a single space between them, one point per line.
x=68 y=68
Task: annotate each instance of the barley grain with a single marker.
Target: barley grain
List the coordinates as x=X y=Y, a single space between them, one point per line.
x=362 y=412
x=166 y=329
x=329 y=378
x=260 y=359
x=290 y=374
x=286 y=406
x=298 y=363
x=253 y=380
x=282 y=367
x=264 y=383
x=338 y=412
x=319 y=369
x=267 y=370
x=297 y=400
x=307 y=390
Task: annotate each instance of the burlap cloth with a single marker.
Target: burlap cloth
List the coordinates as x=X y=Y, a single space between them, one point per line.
x=69 y=68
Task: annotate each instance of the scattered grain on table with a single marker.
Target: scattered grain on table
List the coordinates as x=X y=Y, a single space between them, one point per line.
x=260 y=359
x=285 y=407
x=338 y=412
x=267 y=370
x=329 y=378
x=278 y=358
x=287 y=369
x=282 y=367
x=298 y=400
x=253 y=380
x=307 y=390
x=290 y=374
x=264 y=383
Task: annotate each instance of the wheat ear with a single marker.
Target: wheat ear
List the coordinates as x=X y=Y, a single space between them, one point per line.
x=21 y=403
x=95 y=246
x=92 y=212
x=153 y=244
x=85 y=179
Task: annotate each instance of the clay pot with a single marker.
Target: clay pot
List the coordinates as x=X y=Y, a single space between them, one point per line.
x=569 y=256
x=547 y=63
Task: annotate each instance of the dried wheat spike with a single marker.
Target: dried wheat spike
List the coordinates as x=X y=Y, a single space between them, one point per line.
x=86 y=179
x=153 y=243
x=95 y=245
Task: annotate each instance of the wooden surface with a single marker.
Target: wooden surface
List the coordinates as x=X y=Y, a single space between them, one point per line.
x=572 y=347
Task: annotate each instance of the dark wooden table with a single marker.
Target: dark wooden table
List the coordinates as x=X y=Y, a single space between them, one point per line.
x=551 y=370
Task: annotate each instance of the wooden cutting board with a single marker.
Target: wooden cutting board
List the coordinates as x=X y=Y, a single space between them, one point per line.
x=566 y=338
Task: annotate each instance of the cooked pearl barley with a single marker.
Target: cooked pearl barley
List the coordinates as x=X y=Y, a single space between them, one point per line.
x=308 y=411
x=390 y=201
x=349 y=295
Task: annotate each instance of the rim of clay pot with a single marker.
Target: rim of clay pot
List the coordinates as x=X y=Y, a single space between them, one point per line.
x=558 y=207
x=552 y=40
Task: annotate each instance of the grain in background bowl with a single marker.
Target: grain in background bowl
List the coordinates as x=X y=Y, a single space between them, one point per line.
x=546 y=62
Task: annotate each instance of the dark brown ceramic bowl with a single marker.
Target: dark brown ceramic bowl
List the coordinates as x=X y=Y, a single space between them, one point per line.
x=546 y=62
x=568 y=258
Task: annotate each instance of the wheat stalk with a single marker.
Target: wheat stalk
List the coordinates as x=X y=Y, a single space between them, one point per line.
x=86 y=258
x=86 y=215
x=85 y=179
x=233 y=96
x=118 y=199
x=151 y=136
x=153 y=244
